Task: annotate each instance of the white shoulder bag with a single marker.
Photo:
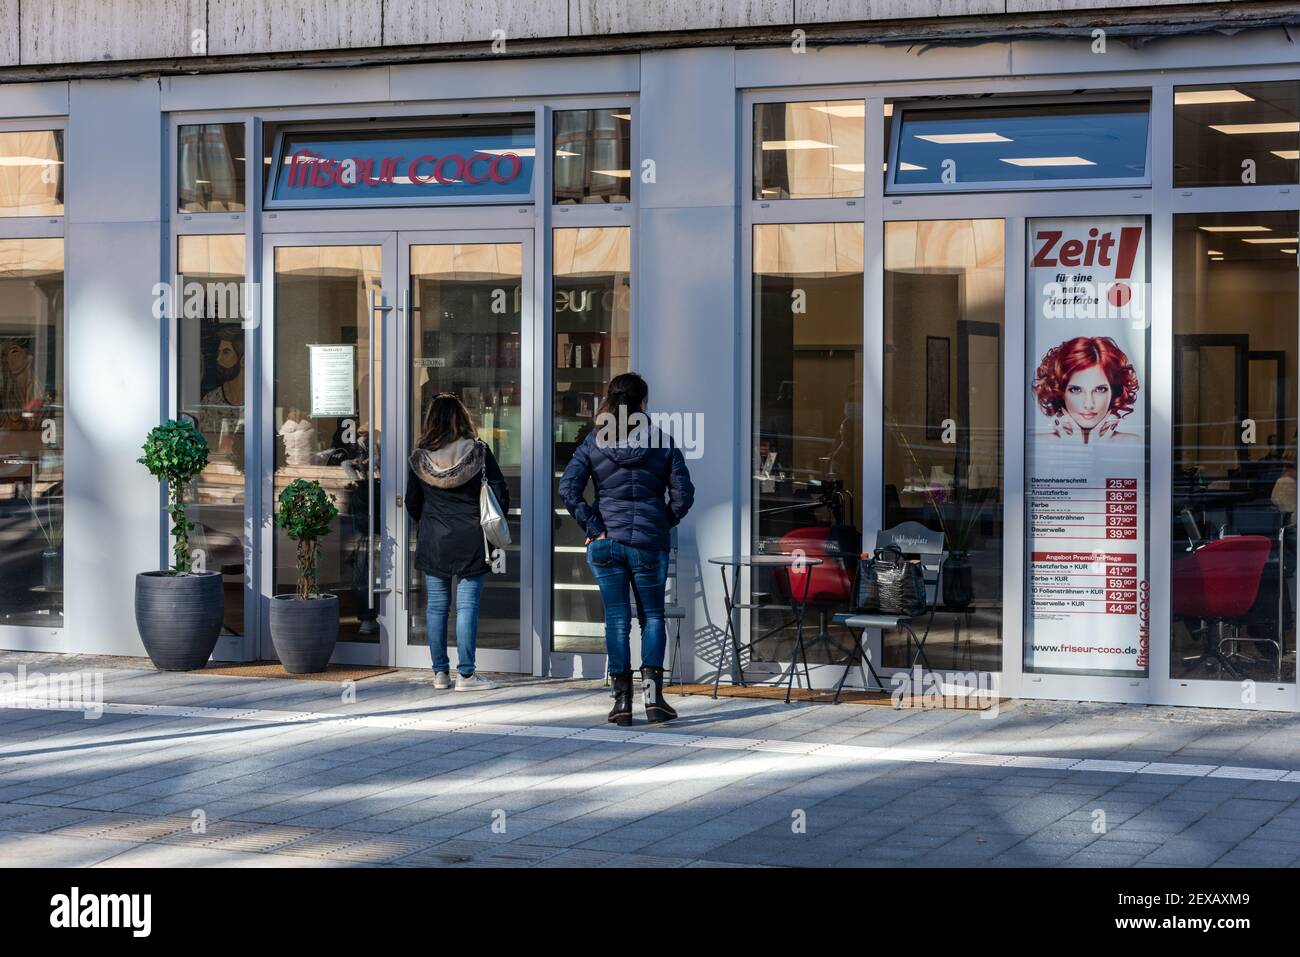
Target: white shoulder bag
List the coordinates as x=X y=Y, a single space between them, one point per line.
x=496 y=532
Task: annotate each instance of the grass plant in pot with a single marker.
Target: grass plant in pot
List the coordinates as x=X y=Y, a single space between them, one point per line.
x=178 y=611
x=305 y=625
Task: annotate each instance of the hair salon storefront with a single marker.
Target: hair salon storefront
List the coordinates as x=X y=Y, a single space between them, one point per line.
x=1060 y=332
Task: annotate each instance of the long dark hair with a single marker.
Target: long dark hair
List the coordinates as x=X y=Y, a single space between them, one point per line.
x=627 y=391
x=446 y=421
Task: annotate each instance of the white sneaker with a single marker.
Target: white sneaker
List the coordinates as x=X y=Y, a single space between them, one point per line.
x=474 y=682
x=441 y=680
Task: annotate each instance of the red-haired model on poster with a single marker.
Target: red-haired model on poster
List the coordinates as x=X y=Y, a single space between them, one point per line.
x=1086 y=386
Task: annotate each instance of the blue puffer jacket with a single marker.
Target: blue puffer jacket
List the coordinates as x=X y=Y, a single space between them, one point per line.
x=631 y=483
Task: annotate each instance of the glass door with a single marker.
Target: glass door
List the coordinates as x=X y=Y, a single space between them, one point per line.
x=465 y=309
x=323 y=391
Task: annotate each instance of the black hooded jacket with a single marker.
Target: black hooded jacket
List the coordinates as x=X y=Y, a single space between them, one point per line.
x=643 y=490
x=442 y=497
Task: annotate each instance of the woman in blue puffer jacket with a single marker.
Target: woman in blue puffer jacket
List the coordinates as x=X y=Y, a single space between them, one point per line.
x=643 y=490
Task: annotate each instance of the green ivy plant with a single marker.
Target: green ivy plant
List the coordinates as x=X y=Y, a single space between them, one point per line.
x=305 y=513
x=174 y=453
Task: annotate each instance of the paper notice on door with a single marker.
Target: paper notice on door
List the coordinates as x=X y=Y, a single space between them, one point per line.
x=333 y=380
x=1086 y=438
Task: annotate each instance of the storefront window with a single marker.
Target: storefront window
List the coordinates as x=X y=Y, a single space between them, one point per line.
x=210 y=383
x=593 y=156
x=809 y=150
x=31 y=173
x=1237 y=134
x=1234 y=434
x=1056 y=145
x=325 y=374
x=593 y=330
x=806 y=454
x=944 y=310
x=210 y=168
x=32 y=402
x=466 y=328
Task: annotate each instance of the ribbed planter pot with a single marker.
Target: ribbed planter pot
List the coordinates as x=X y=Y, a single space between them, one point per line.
x=179 y=617
x=304 y=631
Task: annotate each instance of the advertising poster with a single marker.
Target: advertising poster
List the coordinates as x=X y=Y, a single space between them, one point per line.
x=1087 y=357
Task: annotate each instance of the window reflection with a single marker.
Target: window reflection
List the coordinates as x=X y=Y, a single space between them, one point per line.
x=210 y=168
x=1234 y=479
x=31 y=173
x=956 y=148
x=593 y=156
x=32 y=401
x=593 y=328
x=322 y=299
x=809 y=150
x=944 y=311
x=466 y=325
x=210 y=352
x=1234 y=134
x=806 y=456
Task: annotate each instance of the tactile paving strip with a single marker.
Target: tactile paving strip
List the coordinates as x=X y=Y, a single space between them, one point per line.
x=264 y=839
x=101 y=826
x=448 y=852
x=321 y=844
x=150 y=829
x=212 y=833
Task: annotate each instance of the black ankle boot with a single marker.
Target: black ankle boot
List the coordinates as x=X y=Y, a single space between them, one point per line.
x=621 y=713
x=652 y=687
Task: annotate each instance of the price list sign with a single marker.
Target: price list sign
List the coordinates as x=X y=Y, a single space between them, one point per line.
x=1087 y=608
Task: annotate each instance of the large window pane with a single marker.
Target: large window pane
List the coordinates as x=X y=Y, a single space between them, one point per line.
x=210 y=355
x=322 y=301
x=944 y=309
x=210 y=164
x=1056 y=144
x=1236 y=134
x=808 y=150
x=31 y=173
x=465 y=339
x=593 y=156
x=593 y=340
x=1234 y=488
x=32 y=401
x=806 y=456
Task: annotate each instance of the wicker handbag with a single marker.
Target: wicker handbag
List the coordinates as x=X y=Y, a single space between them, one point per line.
x=891 y=584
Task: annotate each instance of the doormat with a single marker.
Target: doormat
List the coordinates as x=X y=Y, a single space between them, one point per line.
x=848 y=696
x=273 y=669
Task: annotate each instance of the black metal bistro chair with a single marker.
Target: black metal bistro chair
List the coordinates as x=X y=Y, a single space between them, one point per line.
x=916 y=542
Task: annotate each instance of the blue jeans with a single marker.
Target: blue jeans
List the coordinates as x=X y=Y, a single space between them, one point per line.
x=468 y=593
x=617 y=569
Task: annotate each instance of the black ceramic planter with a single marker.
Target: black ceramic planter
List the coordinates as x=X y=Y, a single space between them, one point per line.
x=179 y=617
x=304 y=631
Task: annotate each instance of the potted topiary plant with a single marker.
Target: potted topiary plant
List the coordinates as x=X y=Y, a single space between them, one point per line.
x=178 y=611
x=305 y=625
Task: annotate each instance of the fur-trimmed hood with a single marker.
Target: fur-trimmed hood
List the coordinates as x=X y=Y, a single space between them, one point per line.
x=450 y=466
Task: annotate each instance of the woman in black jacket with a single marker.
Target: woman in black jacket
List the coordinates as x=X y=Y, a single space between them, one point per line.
x=643 y=489
x=442 y=496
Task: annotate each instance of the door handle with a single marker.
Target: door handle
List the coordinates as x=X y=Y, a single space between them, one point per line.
x=377 y=306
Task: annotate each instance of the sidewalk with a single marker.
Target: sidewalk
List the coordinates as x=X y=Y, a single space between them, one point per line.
x=287 y=773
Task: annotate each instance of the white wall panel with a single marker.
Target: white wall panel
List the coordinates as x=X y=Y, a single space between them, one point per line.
x=417 y=21
x=592 y=17
x=80 y=31
x=259 y=26
x=114 y=357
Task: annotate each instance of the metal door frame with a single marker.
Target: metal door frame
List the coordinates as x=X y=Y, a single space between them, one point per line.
x=532 y=551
